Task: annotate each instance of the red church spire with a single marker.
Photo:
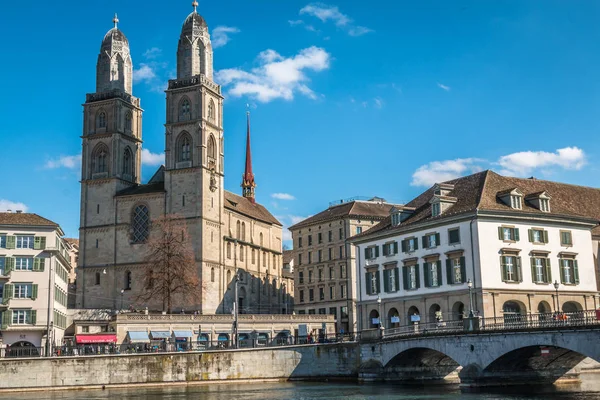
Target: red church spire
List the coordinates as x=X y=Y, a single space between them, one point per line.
x=248 y=183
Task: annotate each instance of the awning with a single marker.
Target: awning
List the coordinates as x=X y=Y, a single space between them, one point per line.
x=160 y=334
x=99 y=338
x=223 y=337
x=182 y=334
x=138 y=337
x=284 y=333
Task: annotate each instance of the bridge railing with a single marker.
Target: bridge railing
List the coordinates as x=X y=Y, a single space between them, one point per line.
x=425 y=328
x=542 y=320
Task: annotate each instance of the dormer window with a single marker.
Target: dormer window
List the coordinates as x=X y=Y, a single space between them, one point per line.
x=435 y=209
x=539 y=200
x=545 y=205
x=512 y=198
x=516 y=202
x=400 y=214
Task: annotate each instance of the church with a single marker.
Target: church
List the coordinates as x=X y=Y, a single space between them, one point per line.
x=231 y=234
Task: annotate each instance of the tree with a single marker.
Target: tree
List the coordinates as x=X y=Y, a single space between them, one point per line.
x=170 y=265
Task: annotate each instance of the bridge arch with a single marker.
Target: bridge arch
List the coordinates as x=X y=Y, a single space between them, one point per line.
x=421 y=363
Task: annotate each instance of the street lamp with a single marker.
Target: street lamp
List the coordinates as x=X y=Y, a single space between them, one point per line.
x=379 y=309
x=122 y=292
x=470 y=286
x=557 y=307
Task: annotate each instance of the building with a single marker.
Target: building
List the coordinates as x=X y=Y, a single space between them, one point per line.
x=34 y=271
x=323 y=262
x=72 y=246
x=231 y=234
x=514 y=239
x=288 y=276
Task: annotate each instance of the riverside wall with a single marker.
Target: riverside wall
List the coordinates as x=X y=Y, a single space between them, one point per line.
x=307 y=362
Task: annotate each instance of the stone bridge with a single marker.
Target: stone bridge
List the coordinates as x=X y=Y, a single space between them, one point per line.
x=481 y=358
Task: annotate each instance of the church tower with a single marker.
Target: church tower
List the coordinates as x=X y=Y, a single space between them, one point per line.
x=248 y=183
x=194 y=146
x=111 y=144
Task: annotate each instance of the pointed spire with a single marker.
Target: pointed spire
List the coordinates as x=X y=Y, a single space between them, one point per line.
x=248 y=183
x=115 y=20
x=195 y=5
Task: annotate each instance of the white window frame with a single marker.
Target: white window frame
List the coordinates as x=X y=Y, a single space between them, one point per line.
x=433 y=274
x=19 y=264
x=457 y=270
x=568 y=267
x=516 y=202
x=539 y=269
x=392 y=280
x=412 y=277
x=23 y=317
x=22 y=290
x=510 y=264
x=374 y=282
x=24 y=242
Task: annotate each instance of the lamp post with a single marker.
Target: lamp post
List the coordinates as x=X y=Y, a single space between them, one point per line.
x=557 y=306
x=470 y=286
x=379 y=309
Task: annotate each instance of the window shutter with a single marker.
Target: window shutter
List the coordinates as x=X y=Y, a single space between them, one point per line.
x=405 y=277
x=418 y=274
x=367 y=253
x=403 y=245
x=385 y=249
x=561 y=267
x=395 y=247
x=516 y=230
x=575 y=272
x=368 y=279
x=11 y=242
x=500 y=236
x=386 y=280
x=376 y=251
x=8 y=293
x=437 y=239
x=548 y=271
x=377 y=281
x=6 y=317
x=530 y=234
x=34 y=292
x=9 y=265
x=37 y=242
x=37 y=264
x=463 y=269
x=519 y=269
x=424 y=242
x=397 y=280
x=439 y=272
x=426 y=274
x=33 y=317
x=502 y=269
x=545 y=236
x=449 y=274
x=533 y=277
x=416 y=243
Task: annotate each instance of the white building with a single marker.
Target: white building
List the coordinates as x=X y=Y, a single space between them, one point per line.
x=513 y=238
x=34 y=270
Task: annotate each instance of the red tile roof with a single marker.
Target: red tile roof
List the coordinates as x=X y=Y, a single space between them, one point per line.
x=24 y=219
x=248 y=208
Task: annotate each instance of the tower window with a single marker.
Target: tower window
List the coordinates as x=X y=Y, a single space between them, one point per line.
x=127 y=163
x=140 y=224
x=100 y=160
x=211 y=149
x=128 y=122
x=127 y=280
x=101 y=120
x=184 y=110
x=184 y=147
x=211 y=111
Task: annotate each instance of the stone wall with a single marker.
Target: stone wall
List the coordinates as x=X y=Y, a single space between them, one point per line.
x=298 y=362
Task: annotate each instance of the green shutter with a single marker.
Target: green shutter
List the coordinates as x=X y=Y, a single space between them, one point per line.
x=449 y=274
x=418 y=274
x=397 y=276
x=533 y=269
x=463 y=269
x=503 y=269
x=9 y=265
x=519 y=269
x=439 y=272
x=39 y=243
x=403 y=246
x=561 y=267
x=38 y=264
x=33 y=317
x=426 y=274
x=386 y=280
x=384 y=249
x=11 y=241
x=368 y=279
x=416 y=243
x=366 y=253
x=575 y=272
x=500 y=236
x=8 y=293
x=34 y=292
x=6 y=319
x=437 y=238
x=424 y=242
x=516 y=234
x=530 y=234
x=548 y=271
x=376 y=251
x=405 y=277
x=395 y=247
x=545 y=236
x=377 y=281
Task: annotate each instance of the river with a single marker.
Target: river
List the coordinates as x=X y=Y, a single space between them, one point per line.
x=588 y=389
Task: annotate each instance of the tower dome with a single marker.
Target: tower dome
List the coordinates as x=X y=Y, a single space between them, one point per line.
x=114 y=68
x=194 y=52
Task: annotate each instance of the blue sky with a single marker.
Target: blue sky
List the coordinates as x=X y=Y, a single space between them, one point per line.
x=348 y=98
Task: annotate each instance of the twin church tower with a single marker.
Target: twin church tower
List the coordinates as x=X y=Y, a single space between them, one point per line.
x=231 y=234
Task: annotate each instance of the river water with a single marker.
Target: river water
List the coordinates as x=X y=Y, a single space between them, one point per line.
x=589 y=389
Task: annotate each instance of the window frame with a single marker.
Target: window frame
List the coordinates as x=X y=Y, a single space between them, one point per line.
x=450 y=230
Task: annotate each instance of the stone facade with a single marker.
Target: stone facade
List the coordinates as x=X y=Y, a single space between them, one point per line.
x=231 y=235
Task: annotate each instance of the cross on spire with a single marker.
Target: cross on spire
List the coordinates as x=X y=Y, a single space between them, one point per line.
x=195 y=4
x=115 y=20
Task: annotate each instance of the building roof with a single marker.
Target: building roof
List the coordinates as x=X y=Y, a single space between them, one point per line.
x=481 y=192
x=24 y=219
x=73 y=242
x=246 y=207
x=352 y=209
x=288 y=255
x=142 y=189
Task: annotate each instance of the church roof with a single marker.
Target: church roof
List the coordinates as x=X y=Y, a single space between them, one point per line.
x=142 y=189
x=245 y=206
x=24 y=219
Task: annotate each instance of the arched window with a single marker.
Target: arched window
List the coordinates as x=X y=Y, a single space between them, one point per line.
x=241 y=253
x=184 y=147
x=212 y=274
x=265 y=260
x=261 y=239
x=211 y=111
x=128 y=122
x=127 y=283
x=211 y=149
x=101 y=120
x=237 y=230
x=127 y=163
x=243 y=231
x=140 y=224
x=184 y=110
x=100 y=159
x=229 y=250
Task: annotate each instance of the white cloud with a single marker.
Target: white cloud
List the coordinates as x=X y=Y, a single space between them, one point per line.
x=220 y=35
x=296 y=218
x=327 y=13
x=6 y=205
x=152 y=53
x=440 y=171
x=70 y=162
x=524 y=162
x=144 y=73
x=287 y=235
x=152 y=159
x=276 y=77
x=283 y=196
x=378 y=102
x=444 y=87
x=295 y=22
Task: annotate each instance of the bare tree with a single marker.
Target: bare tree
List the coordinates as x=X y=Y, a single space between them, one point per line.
x=170 y=265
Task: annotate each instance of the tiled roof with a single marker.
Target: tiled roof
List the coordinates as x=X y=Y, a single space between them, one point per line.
x=288 y=255
x=246 y=207
x=480 y=191
x=72 y=242
x=10 y=218
x=143 y=189
x=353 y=209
